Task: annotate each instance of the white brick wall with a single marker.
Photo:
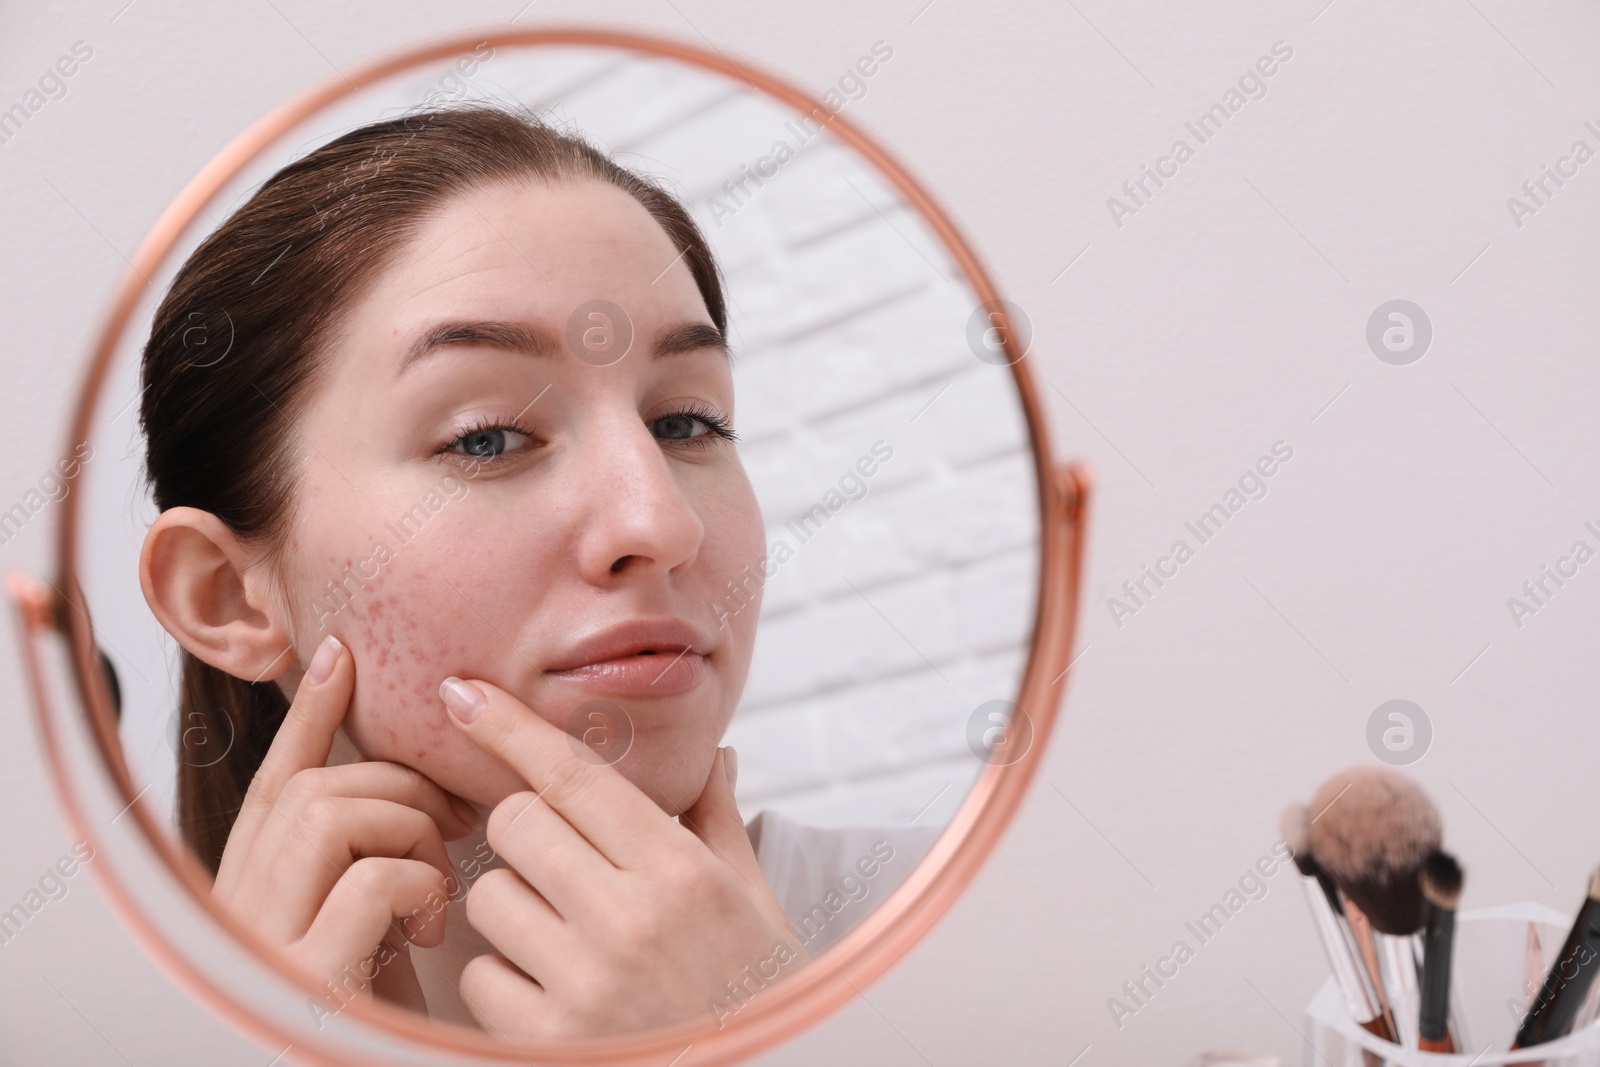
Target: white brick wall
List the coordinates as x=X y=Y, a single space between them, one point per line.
x=848 y=324
x=847 y=320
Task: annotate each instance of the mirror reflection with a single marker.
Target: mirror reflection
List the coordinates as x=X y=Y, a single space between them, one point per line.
x=565 y=541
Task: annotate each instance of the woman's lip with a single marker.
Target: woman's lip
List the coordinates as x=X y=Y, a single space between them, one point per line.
x=663 y=636
x=657 y=675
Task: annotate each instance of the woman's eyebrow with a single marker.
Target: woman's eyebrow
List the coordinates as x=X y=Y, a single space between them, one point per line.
x=691 y=337
x=510 y=336
x=534 y=340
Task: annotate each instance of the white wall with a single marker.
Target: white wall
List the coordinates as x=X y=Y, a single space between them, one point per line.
x=1225 y=315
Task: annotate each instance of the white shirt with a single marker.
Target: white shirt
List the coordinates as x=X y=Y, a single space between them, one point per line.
x=829 y=879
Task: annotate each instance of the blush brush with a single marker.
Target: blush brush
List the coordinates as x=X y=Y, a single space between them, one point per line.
x=1373 y=830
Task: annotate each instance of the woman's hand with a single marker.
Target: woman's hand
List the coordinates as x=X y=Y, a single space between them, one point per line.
x=622 y=918
x=322 y=860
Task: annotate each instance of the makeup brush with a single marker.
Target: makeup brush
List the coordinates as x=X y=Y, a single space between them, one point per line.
x=1371 y=833
x=1590 y=1009
x=1322 y=897
x=1372 y=830
x=1567 y=984
x=1441 y=889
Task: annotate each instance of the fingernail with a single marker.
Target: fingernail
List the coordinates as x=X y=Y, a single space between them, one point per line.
x=464 y=701
x=464 y=811
x=730 y=764
x=322 y=663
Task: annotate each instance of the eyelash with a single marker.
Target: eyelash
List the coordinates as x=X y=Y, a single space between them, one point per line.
x=714 y=421
x=482 y=425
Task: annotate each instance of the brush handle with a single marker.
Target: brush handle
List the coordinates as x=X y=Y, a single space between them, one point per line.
x=1380 y=1030
x=1433 y=1016
x=1339 y=947
x=1591 y=1008
x=1362 y=938
x=1567 y=984
x=1399 y=964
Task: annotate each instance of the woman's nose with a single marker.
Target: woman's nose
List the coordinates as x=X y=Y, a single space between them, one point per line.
x=638 y=518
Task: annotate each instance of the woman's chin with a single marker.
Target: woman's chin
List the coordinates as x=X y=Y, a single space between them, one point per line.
x=673 y=779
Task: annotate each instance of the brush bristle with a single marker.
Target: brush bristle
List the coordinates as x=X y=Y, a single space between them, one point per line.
x=1441 y=880
x=1372 y=829
x=1295 y=826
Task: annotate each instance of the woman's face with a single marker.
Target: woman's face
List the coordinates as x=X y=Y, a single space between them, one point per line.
x=486 y=490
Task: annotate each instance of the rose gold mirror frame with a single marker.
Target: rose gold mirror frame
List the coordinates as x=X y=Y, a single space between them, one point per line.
x=803 y=998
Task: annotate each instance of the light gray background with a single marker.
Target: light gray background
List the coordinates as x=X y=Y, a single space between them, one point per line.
x=1227 y=314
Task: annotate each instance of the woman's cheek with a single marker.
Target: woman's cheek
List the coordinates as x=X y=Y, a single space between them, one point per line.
x=736 y=549
x=408 y=630
x=395 y=714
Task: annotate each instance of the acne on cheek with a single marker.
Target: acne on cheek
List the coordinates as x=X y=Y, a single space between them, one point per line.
x=408 y=630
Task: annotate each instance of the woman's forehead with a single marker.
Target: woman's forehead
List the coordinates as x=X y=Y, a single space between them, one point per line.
x=558 y=230
x=538 y=248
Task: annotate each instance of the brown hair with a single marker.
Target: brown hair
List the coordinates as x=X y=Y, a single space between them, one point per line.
x=234 y=351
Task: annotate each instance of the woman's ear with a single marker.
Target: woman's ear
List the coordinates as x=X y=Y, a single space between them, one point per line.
x=207 y=591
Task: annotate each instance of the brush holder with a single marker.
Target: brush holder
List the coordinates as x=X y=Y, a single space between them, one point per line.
x=1501 y=956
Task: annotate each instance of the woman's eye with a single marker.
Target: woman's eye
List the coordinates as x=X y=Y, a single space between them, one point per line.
x=489 y=442
x=695 y=426
x=679 y=427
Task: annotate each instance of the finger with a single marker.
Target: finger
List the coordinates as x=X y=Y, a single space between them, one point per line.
x=390 y=782
x=393 y=782
x=306 y=736
x=607 y=809
x=375 y=896
x=504 y=1001
x=540 y=845
x=324 y=842
x=520 y=923
x=397 y=981
x=714 y=818
x=303 y=740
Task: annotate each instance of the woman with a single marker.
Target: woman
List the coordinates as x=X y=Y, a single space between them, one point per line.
x=443 y=534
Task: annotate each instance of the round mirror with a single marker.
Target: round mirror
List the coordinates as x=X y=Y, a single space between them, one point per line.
x=670 y=480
